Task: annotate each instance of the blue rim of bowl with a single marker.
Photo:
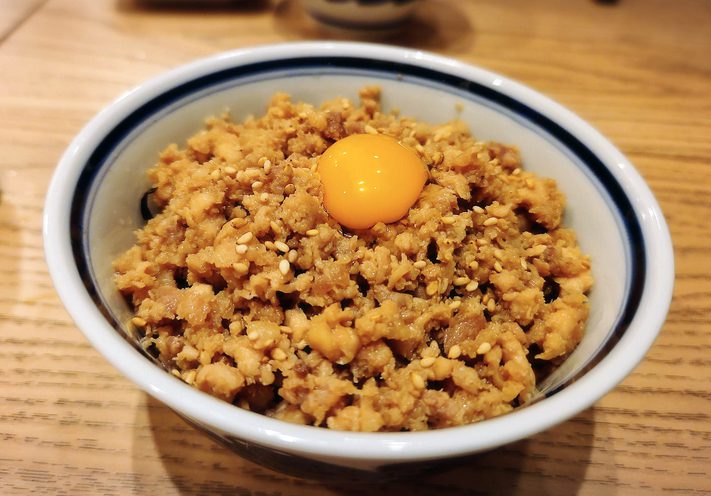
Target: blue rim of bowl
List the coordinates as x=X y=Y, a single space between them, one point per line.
x=96 y=164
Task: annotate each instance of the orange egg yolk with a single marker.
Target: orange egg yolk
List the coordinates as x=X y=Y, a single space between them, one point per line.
x=369 y=178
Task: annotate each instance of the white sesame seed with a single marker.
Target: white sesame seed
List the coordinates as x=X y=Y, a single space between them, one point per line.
x=478 y=209
x=281 y=246
x=312 y=232
x=230 y=170
x=461 y=281
x=238 y=222
x=455 y=304
x=252 y=335
x=257 y=184
x=491 y=221
x=241 y=249
x=264 y=197
x=417 y=381
x=455 y=352
x=483 y=349
x=245 y=238
x=289 y=189
x=138 y=322
x=473 y=265
x=267 y=166
x=284 y=267
x=275 y=227
x=449 y=220
x=292 y=256
x=472 y=286
x=278 y=354
x=370 y=129
x=241 y=267
x=189 y=376
x=215 y=174
x=420 y=264
x=270 y=245
x=432 y=288
x=427 y=361
x=491 y=305
x=498 y=267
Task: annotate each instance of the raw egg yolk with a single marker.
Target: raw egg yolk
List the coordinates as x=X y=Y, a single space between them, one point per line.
x=370 y=178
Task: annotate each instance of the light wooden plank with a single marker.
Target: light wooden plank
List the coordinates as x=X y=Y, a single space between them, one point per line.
x=638 y=70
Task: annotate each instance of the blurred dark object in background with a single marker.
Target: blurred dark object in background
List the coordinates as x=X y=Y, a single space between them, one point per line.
x=361 y=14
x=202 y=4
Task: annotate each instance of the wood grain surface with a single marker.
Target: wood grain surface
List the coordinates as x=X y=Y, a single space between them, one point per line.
x=638 y=70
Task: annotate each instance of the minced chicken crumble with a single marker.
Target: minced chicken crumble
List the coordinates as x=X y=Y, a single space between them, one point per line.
x=244 y=287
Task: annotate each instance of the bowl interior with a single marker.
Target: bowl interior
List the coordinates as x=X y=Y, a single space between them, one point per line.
x=114 y=190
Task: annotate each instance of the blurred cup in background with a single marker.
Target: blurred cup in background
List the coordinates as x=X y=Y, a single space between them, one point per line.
x=361 y=14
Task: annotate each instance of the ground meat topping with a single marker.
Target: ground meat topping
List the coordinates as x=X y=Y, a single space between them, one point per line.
x=245 y=288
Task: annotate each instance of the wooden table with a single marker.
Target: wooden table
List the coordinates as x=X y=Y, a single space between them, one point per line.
x=638 y=70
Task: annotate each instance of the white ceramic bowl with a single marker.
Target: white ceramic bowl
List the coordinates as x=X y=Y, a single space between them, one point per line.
x=92 y=209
